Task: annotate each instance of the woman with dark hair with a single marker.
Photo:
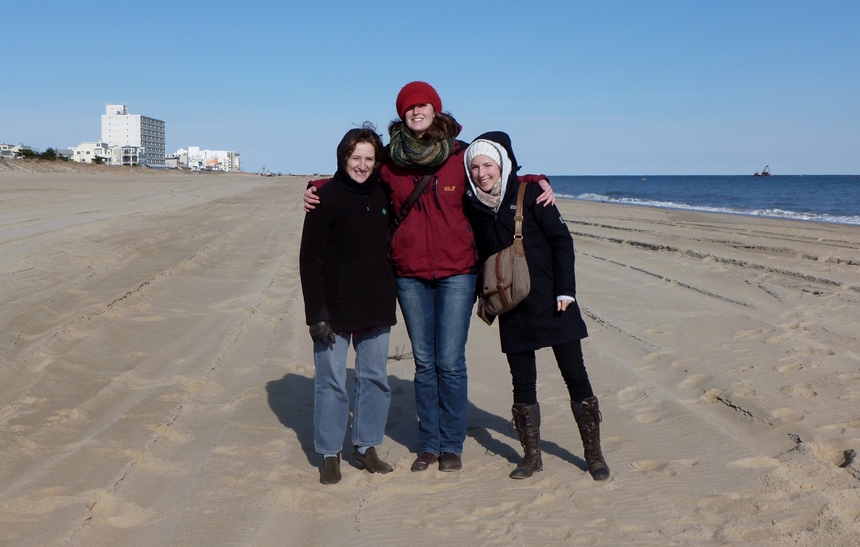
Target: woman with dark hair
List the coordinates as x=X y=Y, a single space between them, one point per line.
x=434 y=257
x=349 y=294
x=549 y=316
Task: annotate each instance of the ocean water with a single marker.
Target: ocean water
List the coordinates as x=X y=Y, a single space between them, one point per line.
x=818 y=198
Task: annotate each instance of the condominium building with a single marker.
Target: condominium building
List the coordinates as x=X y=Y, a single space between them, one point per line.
x=134 y=132
x=196 y=159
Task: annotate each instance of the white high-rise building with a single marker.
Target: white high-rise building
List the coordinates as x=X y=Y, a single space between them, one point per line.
x=119 y=128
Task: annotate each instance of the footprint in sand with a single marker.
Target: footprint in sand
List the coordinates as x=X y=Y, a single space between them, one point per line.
x=68 y=415
x=791 y=331
x=744 y=388
x=751 y=334
x=490 y=510
x=788 y=415
x=693 y=381
x=843 y=426
x=118 y=512
x=717 y=504
x=655 y=355
x=649 y=417
x=820 y=352
x=755 y=462
x=682 y=363
x=851 y=396
x=711 y=396
x=632 y=393
x=669 y=469
x=799 y=391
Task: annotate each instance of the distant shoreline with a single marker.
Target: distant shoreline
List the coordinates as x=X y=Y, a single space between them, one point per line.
x=645 y=177
x=41 y=166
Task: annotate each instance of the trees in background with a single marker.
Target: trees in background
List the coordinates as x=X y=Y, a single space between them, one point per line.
x=50 y=154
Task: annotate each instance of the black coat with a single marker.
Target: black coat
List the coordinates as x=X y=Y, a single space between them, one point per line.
x=343 y=261
x=534 y=323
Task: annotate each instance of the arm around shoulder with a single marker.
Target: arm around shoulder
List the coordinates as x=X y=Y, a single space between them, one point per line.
x=548 y=196
x=310 y=197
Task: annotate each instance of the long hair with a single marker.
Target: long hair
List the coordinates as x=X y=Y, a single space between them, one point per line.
x=444 y=126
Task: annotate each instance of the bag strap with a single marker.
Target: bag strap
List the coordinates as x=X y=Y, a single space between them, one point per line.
x=518 y=217
x=411 y=200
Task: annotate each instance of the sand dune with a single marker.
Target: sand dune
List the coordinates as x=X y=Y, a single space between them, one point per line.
x=156 y=381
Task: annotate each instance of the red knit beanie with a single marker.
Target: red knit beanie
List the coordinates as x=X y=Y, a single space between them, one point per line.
x=417 y=93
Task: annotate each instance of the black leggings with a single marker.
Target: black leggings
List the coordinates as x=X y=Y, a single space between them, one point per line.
x=570 y=363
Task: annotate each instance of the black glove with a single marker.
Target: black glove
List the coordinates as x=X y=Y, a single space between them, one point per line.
x=321 y=332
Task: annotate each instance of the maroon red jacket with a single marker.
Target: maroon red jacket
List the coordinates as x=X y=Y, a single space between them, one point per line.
x=435 y=240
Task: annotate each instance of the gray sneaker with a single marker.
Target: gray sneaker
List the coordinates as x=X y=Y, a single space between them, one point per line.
x=330 y=472
x=370 y=461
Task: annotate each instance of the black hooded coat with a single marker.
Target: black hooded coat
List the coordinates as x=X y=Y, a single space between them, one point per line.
x=346 y=276
x=534 y=323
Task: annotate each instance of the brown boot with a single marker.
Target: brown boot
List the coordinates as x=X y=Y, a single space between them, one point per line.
x=527 y=421
x=587 y=414
x=370 y=461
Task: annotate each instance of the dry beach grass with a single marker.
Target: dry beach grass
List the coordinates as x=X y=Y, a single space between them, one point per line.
x=156 y=380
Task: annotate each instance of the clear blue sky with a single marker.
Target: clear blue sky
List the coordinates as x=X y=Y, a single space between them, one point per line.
x=612 y=87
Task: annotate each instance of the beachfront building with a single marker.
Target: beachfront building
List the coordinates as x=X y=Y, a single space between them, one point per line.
x=204 y=160
x=141 y=136
x=86 y=152
x=177 y=160
x=13 y=151
x=129 y=155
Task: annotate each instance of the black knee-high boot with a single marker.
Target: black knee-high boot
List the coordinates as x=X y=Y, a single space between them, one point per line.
x=587 y=415
x=527 y=422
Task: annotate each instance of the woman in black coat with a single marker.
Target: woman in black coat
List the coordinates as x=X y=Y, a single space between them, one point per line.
x=349 y=293
x=549 y=316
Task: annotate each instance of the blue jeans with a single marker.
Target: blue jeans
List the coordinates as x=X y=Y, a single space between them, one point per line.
x=372 y=396
x=437 y=314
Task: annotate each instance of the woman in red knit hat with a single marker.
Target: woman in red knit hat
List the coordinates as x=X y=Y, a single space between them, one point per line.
x=435 y=262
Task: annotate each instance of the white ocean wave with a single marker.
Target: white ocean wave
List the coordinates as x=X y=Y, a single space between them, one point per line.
x=775 y=213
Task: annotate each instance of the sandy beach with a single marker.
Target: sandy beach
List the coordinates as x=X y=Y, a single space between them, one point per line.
x=156 y=381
